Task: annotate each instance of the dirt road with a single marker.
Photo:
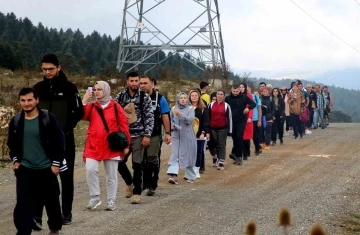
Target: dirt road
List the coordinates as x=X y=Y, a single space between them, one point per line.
x=315 y=177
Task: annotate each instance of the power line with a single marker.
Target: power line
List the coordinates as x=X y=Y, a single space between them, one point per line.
x=326 y=27
x=357 y=2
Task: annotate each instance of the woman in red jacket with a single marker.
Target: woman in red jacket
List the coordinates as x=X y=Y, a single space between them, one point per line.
x=249 y=128
x=96 y=146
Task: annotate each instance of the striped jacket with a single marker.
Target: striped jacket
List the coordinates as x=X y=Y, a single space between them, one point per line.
x=144 y=124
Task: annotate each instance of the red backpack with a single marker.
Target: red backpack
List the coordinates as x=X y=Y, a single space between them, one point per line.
x=304 y=115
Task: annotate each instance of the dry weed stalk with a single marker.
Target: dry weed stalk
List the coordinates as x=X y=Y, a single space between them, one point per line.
x=317 y=230
x=284 y=219
x=250 y=228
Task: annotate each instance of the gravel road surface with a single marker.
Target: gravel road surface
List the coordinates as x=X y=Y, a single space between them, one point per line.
x=316 y=178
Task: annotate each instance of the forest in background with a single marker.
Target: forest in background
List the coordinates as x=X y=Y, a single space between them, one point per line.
x=22 y=45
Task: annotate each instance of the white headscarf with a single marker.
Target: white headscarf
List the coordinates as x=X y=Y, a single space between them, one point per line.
x=106 y=89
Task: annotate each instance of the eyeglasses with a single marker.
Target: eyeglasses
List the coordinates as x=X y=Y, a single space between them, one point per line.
x=97 y=89
x=48 y=69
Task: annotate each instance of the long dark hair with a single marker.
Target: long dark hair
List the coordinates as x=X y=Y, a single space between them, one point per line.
x=279 y=93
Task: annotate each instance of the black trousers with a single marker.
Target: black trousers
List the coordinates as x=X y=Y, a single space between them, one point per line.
x=151 y=169
x=36 y=187
x=67 y=179
x=237 y=136
x=277 y=128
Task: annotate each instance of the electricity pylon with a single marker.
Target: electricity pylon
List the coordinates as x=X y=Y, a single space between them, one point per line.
x=142 y=41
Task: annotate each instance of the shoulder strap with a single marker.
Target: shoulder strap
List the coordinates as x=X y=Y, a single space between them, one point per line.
x=103 y=118
x=142 y=96
x=17 y=119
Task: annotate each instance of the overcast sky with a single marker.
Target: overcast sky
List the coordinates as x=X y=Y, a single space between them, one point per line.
x=258 y=34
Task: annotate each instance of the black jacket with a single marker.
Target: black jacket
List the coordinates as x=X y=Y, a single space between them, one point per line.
x=51 y=136
x=204 y=121
x=61 y=97
x=312 y=97
x=268 y=107
x=238 y=104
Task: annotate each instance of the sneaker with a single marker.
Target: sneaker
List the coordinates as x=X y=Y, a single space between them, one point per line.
x=267 y=147
x=245 y=158
x=54 y=232
x=150 y=192
x=93 y=203
x=281 y=141
x=221 y=167
x=296 y=137
x=37 y=224
x=314 y=128
x=238 y=161
x=232 y=156
x=257 y=153
x=110 y=206
x=308 y=132
x=190 y=181
x=136 y=199
x=173 y=180
x=273 y=143
x=129 y=191
x=67 y=219
x=215 y=161
x=197 y=171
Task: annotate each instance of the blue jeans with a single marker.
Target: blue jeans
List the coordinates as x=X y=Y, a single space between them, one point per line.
x=200 y=153
x=295 y=122
x=319 y=113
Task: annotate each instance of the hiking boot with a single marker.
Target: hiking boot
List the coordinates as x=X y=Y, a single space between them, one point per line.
x=267 y=147
x=129 y=191
x=150 y=192
x=136 y=199
x=232 y=156
x=173 y=180
x=54 y=232
x=37 y=224
x=110 y=206
x=281 y=141
x=93 y=203
x=67 y=219
x=273 y=143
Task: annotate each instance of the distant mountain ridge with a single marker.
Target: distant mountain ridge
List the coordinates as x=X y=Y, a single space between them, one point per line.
x=346 y=78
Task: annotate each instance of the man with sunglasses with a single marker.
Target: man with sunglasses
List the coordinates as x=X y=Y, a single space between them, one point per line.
x=61 y=97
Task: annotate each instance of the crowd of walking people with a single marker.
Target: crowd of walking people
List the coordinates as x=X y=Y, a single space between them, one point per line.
x=136 y=123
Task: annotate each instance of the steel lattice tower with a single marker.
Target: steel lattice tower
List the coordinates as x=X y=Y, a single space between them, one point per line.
x=141 y=39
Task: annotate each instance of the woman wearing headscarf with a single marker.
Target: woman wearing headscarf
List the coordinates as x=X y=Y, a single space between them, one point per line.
x=184 y=145
x=96 y=145
x=278 y=125
x=203 y=132
x=249 y=129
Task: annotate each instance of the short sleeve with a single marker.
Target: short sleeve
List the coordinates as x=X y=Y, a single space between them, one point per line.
x=164 y=107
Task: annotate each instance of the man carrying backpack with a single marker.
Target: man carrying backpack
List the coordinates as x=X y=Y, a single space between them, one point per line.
x=137 y=101
x=37 y=146
x=204 y=86
x=161 y=118
x=61 y=97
